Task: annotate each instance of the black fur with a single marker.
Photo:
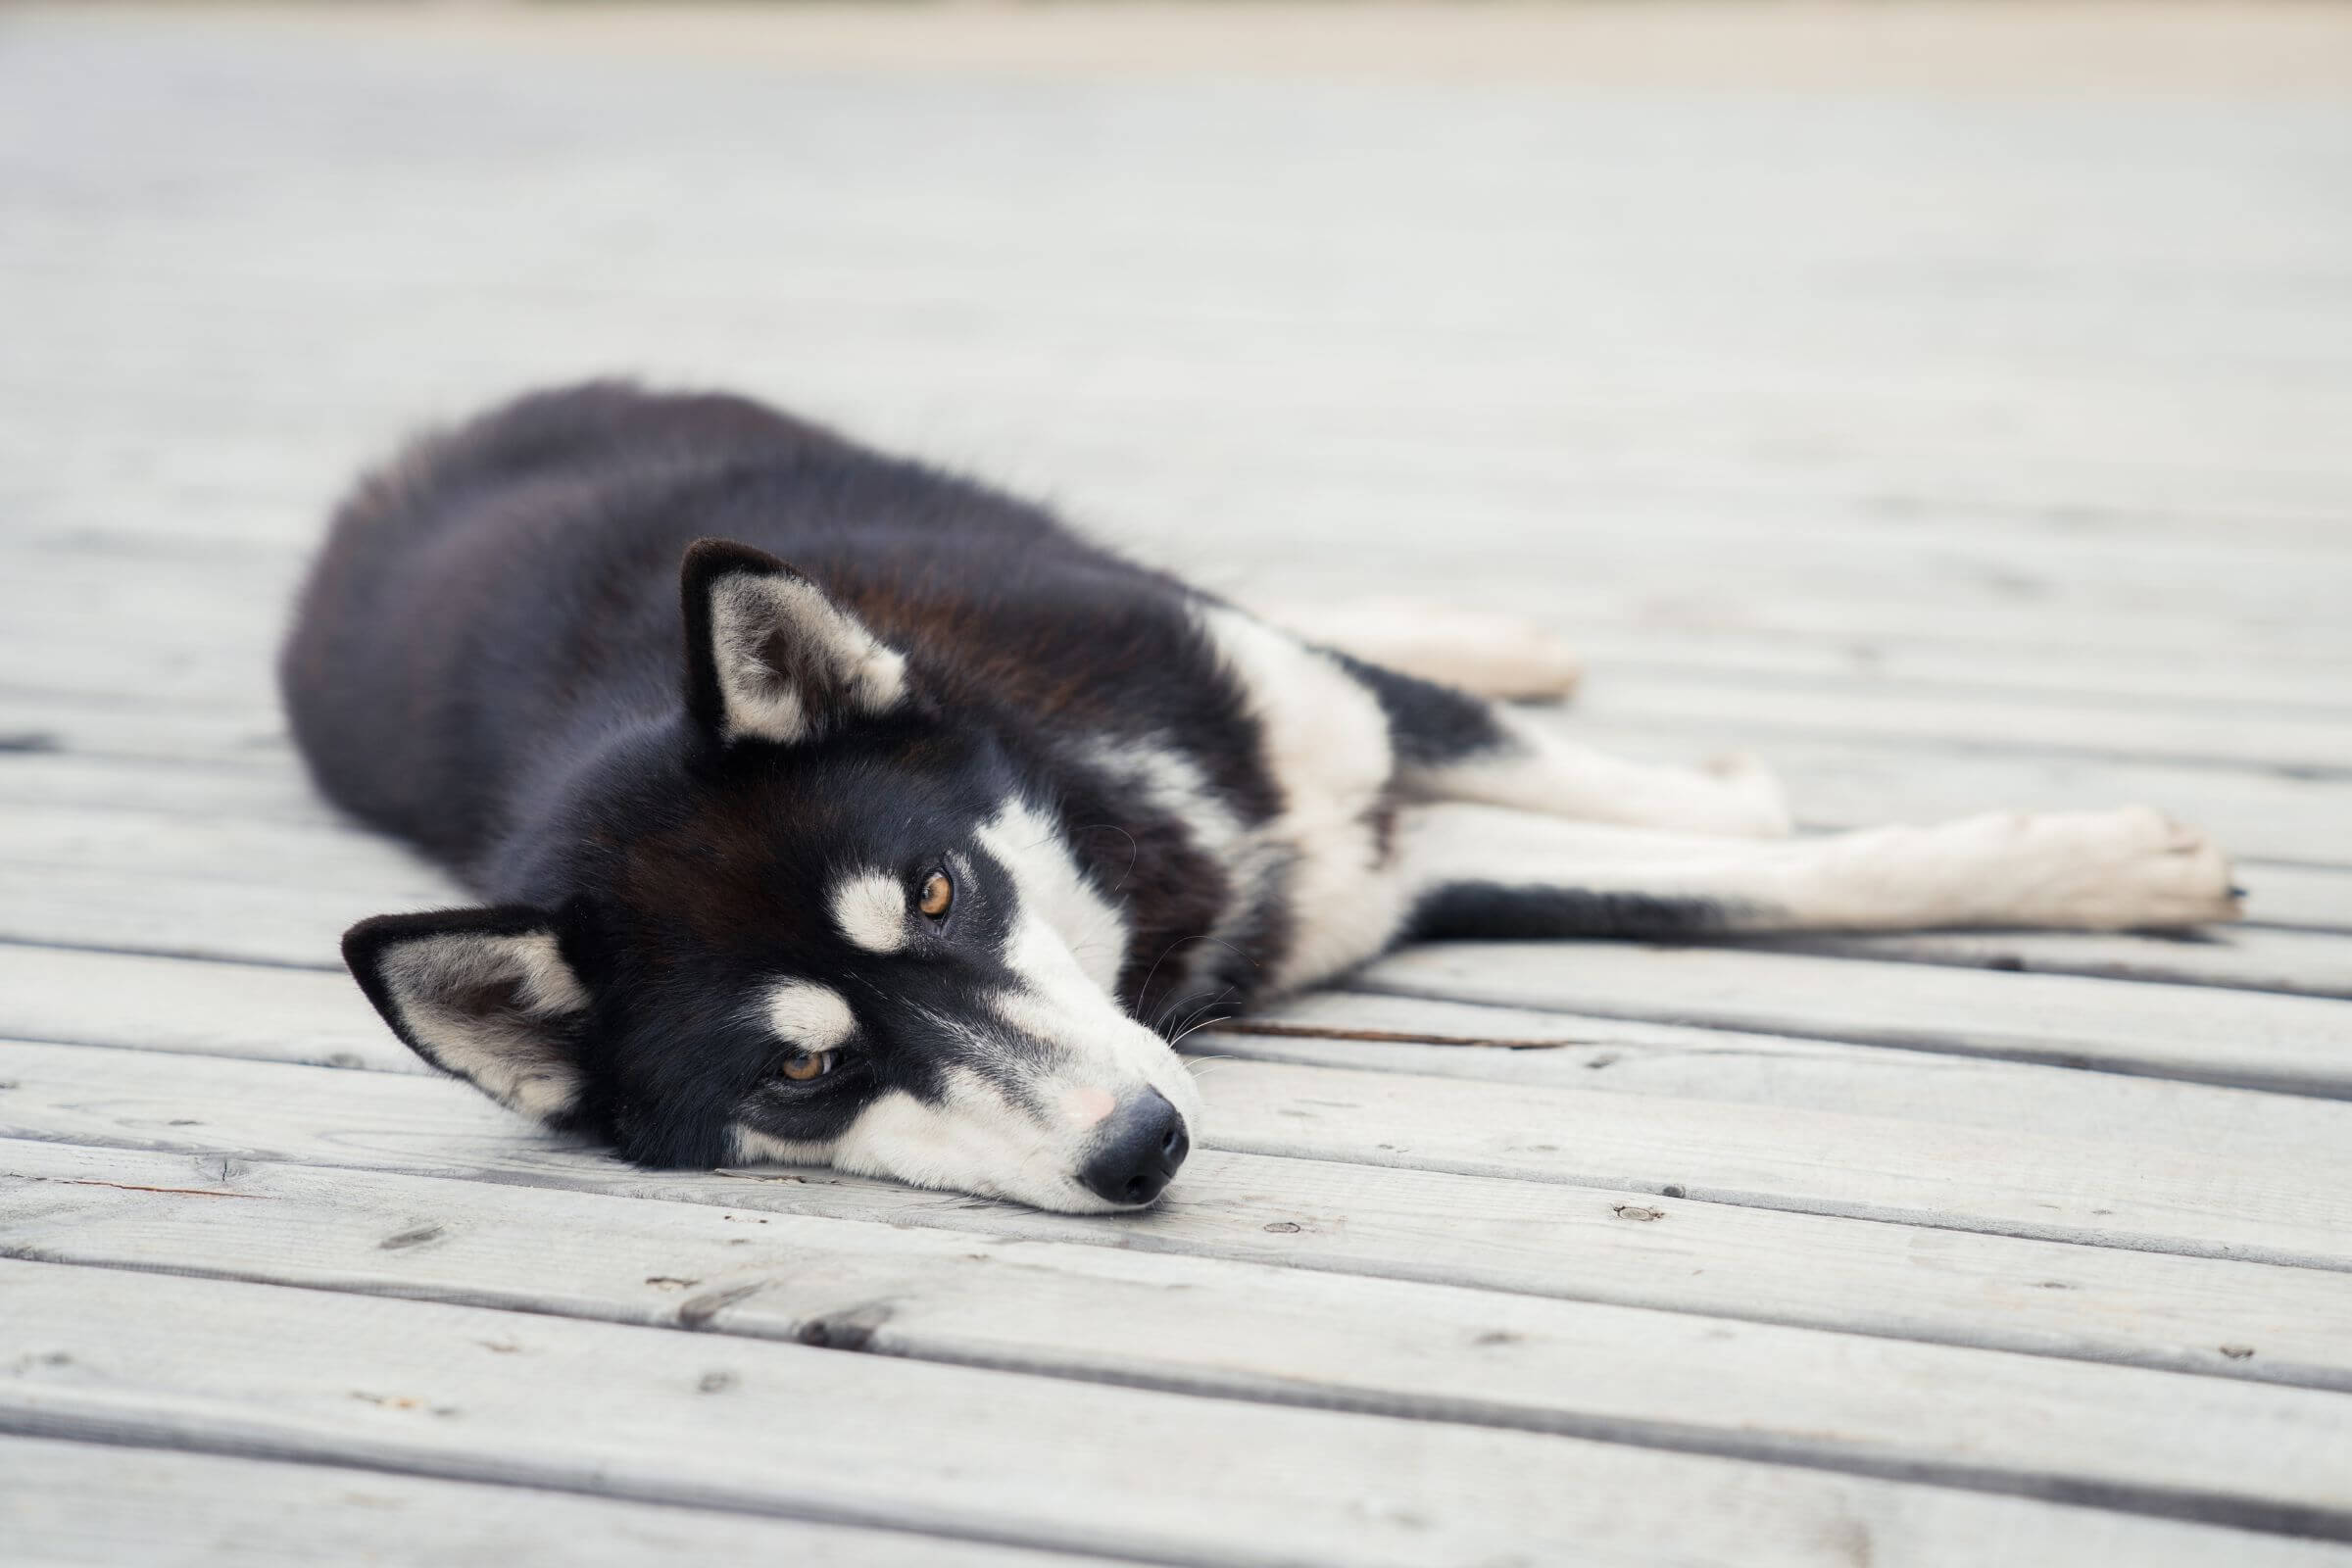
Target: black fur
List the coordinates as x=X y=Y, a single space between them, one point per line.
x=505 y=653
x=1428 y=724
x=487 y=661
x=1486 y=911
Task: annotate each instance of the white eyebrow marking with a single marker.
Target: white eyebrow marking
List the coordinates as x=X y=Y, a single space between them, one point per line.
x=871 y=910
x=808 y=1015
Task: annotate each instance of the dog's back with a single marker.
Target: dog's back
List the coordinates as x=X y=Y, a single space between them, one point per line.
x=504 y=593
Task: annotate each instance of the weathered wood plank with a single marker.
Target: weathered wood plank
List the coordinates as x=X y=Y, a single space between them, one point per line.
x=199 y=1007
x=254 y=849
x=1370 y=1031
x=2109 y=1193
x=2024 y=468
x=181 y=1004
x=2272 y=1205
x=1749 y=713
x=2025 y=1425
x=263 y=790
x=2312 y=897
x=1839 y=648
x=1836 y=784
x=2269 y=1201
x=106 y=1505
x=2252 y=958
x=1532 y=1238
x=2294 y=1044
x=1644 y=540
x=645 y=1414
x=133 y=912
x=138 y=730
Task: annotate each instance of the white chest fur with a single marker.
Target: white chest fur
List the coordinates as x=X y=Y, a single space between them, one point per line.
x=1325 y=741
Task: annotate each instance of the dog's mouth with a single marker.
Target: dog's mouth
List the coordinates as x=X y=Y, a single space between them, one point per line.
x=1087 y=1150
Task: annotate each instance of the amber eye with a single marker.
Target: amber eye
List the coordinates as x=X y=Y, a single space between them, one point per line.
x=807 y=1066
x=938 y=893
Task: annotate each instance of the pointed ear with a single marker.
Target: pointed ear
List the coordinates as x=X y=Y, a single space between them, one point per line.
x=485 y=994
x=769 y=657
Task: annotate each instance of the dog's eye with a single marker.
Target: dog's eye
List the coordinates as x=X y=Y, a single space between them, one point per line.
x=938 y=893
x=807 y=1066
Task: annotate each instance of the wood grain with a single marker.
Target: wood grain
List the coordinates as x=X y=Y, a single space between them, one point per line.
x=1757 y=1264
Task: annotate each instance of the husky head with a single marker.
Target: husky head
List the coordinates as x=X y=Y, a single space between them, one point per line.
x=808 y=917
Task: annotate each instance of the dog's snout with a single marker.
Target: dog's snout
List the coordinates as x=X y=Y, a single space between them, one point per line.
x=1140 y=1148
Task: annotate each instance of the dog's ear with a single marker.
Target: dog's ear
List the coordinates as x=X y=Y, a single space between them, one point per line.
x=770 y=656
x=485 y=994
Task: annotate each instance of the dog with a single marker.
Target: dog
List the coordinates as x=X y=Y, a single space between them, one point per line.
x=833 y=810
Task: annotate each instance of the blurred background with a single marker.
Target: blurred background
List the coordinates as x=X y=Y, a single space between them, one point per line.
x=1950 y=400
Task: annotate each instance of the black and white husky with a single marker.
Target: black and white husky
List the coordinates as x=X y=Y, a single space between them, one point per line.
x=904 y=856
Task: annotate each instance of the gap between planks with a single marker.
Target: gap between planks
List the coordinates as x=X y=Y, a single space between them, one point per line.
x=1944 y=993
x=643 y=1414
x=306 y=1017
x=156 y=1004
x=107 y=1504
x=2249 y=1205
x=1972 y=1419
x=1961 y=1288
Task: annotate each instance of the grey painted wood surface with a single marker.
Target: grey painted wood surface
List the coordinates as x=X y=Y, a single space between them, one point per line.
x=1952 y=451
x=2276 y=1204
x=208 y=1008
x=1628 y=1248
x=102 y=1504
x=654 y=1415
x=1978 y=1419
x=2295 y=1044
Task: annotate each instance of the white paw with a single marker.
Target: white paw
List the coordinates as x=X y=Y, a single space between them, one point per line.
x=1487 y=652
x=2106 y=871
x=1746 y=799
x=1502 y=657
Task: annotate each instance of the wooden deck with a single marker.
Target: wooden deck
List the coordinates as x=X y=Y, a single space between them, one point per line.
x=1983 y=439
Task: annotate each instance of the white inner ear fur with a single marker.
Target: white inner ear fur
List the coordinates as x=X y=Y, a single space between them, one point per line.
x=808 y=1015
x=870 y=908
x=513 y=1054
x=830 y=650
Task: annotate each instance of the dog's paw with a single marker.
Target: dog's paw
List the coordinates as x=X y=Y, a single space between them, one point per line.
x=1490 y=653
x=1745 y=800
x=1507 y=658
x=2113 y=870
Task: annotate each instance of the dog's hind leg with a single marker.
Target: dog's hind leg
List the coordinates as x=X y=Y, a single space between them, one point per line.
x=1481 y=651
x=1452 y=746
x=1481 y=871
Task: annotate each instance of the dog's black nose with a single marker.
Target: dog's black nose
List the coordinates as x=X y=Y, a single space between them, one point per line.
x=1141 y=1145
